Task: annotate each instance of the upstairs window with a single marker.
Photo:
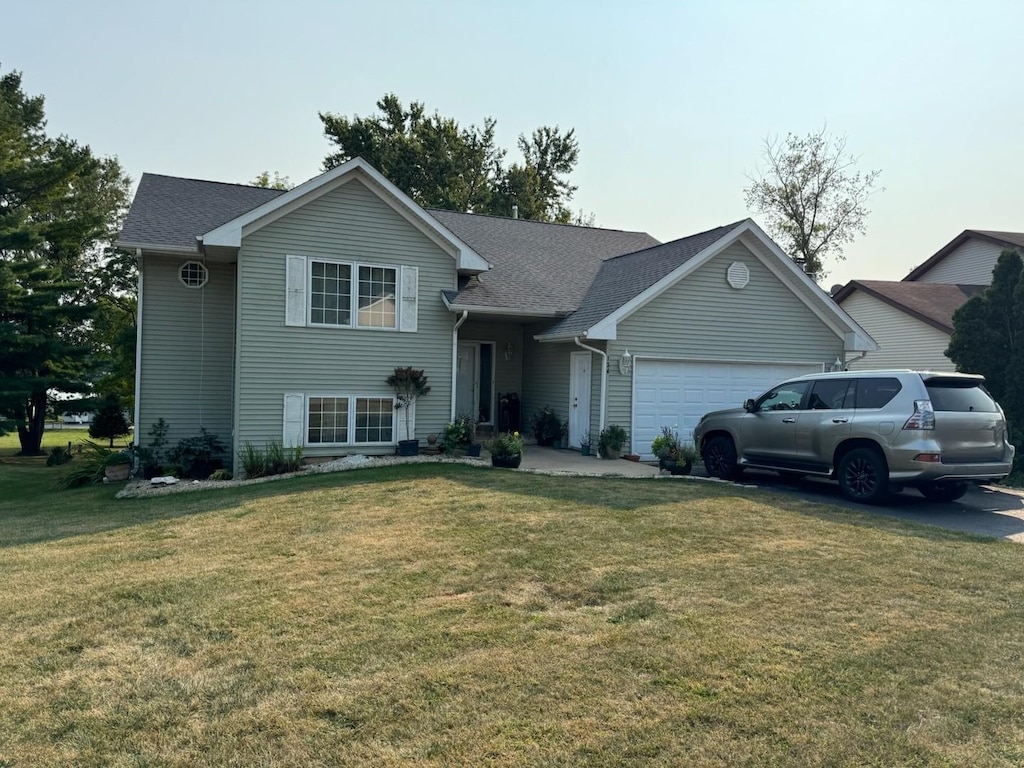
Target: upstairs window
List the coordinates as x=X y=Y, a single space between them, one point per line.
x=333 y=292
x=193 y=274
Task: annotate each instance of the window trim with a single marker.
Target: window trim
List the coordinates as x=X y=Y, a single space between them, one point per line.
x=351 y=397
x=354 y=267
x=202 y=266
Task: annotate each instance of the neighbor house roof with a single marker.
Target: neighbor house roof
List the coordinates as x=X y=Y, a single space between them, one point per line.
x=1004 y=239
x=536 y=267
x=931 y=303
x=170 y=213
x=625 y=277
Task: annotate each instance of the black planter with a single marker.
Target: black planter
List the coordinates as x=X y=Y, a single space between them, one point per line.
x=473 y=449
x=674 y=467
x=408 y=447
x=506 y=462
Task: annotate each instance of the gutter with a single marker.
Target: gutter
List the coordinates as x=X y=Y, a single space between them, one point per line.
x=604 y=379
x=455 y=357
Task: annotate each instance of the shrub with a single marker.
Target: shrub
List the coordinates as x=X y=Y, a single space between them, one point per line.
x=194 y=455
x=152 y=457
x=58 y=456
x=666 y=445
x=458 y=434
x=110 y=422
x=506 y=444
x=409 y=385
x=275 y=459
x=546 y=426
x=220 y=474
x=88 y=467
x=612 y=438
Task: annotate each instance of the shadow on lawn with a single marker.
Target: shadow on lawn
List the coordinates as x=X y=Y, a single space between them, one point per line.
x=39 y=513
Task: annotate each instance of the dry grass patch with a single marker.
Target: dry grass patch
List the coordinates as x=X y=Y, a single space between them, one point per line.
x=445 y=615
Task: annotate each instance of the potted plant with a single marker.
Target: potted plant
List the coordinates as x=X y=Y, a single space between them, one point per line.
x=506 y=450
x=118 y=466
x=610 y=441
x=674 y=456
x=546 y=426
x=409 y=384
x=585 y=444
x=459 y=437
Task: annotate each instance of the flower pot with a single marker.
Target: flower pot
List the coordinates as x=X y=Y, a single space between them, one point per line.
x=632 y=457
x=506 y=462
x=116 y=473
x=556 y=444
x=473 y=449
x=408 y=447
x=584 y=450
x=674 y=467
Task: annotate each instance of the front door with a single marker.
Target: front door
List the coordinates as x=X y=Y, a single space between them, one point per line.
x=579 y=397
x=467 y=380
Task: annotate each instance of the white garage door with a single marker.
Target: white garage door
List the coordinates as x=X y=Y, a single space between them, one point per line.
x=676 y=394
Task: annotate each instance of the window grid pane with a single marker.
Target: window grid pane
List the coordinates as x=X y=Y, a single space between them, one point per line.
x=374 y=420
x=330 y=293
x=377 y=297
x=328 y=420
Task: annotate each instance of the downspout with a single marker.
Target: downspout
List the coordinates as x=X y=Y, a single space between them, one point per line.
x=455 y=356
x=604 y=380
x=138 y=349
x=846 y=363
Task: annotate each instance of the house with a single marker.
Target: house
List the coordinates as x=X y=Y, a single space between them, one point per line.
x=277 y=315
x=912 y=319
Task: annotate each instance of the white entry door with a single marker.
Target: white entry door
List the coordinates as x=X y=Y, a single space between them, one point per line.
x=467 y=381
x=579 y=397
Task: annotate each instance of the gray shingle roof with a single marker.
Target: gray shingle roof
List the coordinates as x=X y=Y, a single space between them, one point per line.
x=933 y=303
x=168 y=211
x=625 y=277
x=539 y=267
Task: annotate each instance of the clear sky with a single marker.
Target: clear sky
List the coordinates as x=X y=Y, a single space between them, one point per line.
x=671 y=101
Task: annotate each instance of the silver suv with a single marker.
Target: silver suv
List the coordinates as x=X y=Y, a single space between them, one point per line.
x=873 y=431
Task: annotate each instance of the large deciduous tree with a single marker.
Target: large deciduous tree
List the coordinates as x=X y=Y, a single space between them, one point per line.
x=988 y=338
x=441 y=164
x=813 y=200
x=58 y=205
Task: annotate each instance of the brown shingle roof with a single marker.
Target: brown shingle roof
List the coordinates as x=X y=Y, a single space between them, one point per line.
x=932 y=303
x=1005 y=239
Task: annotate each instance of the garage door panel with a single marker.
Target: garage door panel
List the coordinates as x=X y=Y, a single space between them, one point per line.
x=677 y=394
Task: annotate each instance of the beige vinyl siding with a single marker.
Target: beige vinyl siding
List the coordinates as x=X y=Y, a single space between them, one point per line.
x=348 y=223
x=703 y=318
x=970 y=264
x=508 y=374
x=187 y=350
x=904 y=341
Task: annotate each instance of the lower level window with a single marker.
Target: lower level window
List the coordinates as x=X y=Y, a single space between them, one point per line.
x=350 y=420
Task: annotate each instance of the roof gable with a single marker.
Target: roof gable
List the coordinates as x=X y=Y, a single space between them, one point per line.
x=931 y=303
x=1002 y=239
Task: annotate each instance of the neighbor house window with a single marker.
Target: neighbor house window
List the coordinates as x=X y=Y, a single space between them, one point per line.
x=193 y=274
x=335 y=287
x=349 y=420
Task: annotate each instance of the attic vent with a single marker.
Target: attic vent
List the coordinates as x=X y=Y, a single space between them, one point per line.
x=738 y=275
x=192 y=274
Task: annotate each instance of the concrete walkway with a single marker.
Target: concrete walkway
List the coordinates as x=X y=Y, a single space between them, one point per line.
x=550 y=460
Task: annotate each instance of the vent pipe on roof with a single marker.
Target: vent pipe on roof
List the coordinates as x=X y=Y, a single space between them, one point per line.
x=515 y=211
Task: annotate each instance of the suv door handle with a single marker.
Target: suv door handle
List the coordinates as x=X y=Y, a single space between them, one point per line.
x=789 y=420
x=839 y=421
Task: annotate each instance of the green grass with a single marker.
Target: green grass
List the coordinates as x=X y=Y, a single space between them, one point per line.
x=448 y=615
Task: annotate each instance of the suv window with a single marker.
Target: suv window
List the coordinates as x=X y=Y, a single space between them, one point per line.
x=954 y=396
x=785 y=397
x=876 y=393
x=830 y=394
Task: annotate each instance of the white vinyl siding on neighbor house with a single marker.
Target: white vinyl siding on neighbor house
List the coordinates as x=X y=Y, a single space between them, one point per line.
x=969 y=264
x=279 y=355
x=187 y=350
x=702 y=318
x=903 y=340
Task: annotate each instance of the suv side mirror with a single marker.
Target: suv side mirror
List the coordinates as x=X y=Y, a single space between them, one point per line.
x=749 y=406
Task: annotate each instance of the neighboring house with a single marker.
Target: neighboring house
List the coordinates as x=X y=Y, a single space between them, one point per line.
x=912 y=319
x=277 y=315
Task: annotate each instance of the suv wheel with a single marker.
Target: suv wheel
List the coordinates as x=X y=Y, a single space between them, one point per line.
x=863 y=476
x=720 y=458
x=943 y=491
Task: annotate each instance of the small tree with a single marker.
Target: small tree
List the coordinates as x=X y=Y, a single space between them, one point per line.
x=813 y=202
x=110 y=422
x=409 y=385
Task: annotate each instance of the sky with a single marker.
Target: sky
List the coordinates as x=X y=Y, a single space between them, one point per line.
x=671 y=101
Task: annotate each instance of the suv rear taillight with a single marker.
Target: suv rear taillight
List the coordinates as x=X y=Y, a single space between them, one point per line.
x=924 y=416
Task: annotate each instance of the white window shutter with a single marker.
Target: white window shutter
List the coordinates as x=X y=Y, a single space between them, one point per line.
x=295 y=291
x=410 y=299
x=294 y=402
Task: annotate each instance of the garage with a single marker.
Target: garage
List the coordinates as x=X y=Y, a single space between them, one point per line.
x=677 y=392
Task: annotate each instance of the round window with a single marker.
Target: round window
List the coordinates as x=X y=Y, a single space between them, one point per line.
x=193 y=274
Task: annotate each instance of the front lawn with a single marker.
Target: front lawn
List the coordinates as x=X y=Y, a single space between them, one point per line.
x=449 y=615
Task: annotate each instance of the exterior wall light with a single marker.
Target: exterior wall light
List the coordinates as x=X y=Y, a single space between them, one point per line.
x=626 y=363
